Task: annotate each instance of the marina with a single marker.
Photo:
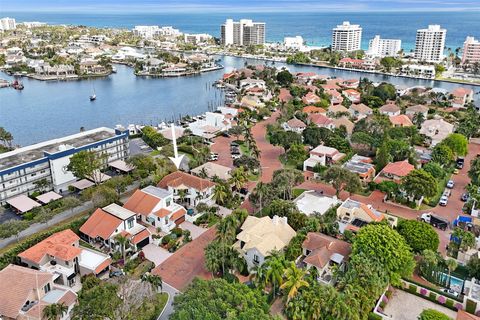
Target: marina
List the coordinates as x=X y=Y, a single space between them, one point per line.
x=46 y=109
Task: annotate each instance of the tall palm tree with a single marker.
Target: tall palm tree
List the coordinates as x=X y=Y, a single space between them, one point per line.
x=220 y=194
x=123 y=242
x=294 y=280
x=275 y=265
x=255 y=150
x=451 y=266
x=258 y=276
x=54 y=311
x=238 y=178
x=182 y=194
x=261 y=191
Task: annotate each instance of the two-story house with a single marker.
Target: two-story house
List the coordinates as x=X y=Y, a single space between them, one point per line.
x=323 y=156
x=155 y=206
x=25 y=292
x=188 y=189
x=325 y=253
x=390 y=109
x=260 y=236
x=61 y=255
x=106 y=223
x=395 y=171
x=352 y=215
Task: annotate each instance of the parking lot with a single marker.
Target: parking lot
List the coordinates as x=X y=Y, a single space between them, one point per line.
x=137 y=146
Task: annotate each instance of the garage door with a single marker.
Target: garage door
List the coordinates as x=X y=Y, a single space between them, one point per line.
x=180 y=220
x=143 y=243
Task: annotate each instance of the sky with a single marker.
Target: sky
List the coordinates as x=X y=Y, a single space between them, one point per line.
x=126 y=6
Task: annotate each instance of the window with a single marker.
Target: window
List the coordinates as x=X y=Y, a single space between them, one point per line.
x=256 y=259
x=168 y=202
x=46 y=288
x=130 y=223
x=67 y=263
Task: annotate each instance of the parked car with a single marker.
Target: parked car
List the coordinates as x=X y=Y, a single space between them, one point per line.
x=455 y=171
x=243 y=191
x=236 y=156
x=213 y=157
x=450 y=184
x=234 y=144
x=447 y=192
x=116 y=273
x=225 y=134
x=459 y=163
x=443 y=201
x=464 y=197
x=450 y=292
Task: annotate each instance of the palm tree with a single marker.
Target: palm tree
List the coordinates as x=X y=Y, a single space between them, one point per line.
x=261 y=190
x=182 y=194
x=220 y=194
x=238 y=178
x=255 y=150
x=123 y=242
x=258 y=276
x=451 y=266
x=154 y=281
x=275 y=265
x=203 y=173
x=294 y=280
x=54 y=311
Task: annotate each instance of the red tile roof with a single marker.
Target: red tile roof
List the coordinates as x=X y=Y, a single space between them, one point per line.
x=399 y=168
x=401 y=120
x=103 y=265
x=59 y=245
x=140 y=236
x=284 y=95
x=179 y=178
x=141 y=203
x=313 y=109
x=322 y=247
x=319 y=119
x=178 y=214
x=100 y=224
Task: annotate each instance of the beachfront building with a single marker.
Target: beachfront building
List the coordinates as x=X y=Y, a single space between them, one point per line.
x=429 y=44
x=25 y=292
x=63 y=257
x=293 y=43
x=378 y=47
x=260 y=236
x=22 y=168
x=149 y=32
x=7 y=24
x=346 y=37
x=197 y=38
x=242 y=33
x=471 y=51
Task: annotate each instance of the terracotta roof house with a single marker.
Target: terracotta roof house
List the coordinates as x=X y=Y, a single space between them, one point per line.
x=352 y=95
x=331 y=85
x=311 y=98
x=436 y=130
x=106 y=223
x=351 y=63
x=401 y=121
x=337 y=108
x=353 y=215
x=362 y=166
x=461 y=96
x=197 y=190
x=325 y=253
x=323 y=156
x=419 y=108
x=390 y=109
x=321 y=120
x=61 y=255
x=350 y=83
x=155 y=206
x=260 y=236
x=360 y=111
x=343 y=121
x=284 y=96
x=313 y=109
x=294 y=125
x=336 y=97
x=25 y=292
x=395 y=171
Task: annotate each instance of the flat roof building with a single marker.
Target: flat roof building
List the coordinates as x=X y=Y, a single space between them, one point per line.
x=471 y=51
x=242 y=33
x=22 y=168
x=379 y=47
x=429 y=44
x=346 y=37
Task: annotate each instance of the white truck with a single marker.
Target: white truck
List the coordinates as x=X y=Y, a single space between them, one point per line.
x=436 y=221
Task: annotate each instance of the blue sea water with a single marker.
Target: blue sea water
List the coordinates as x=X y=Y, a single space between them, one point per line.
x=315 y=27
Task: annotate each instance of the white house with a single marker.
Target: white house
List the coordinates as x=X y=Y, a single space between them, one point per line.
x=436 y=130
x=212 y=124
x=323 y=156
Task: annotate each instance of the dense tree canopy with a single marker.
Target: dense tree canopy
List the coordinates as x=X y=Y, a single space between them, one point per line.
x=383 y=244
x=87 y=164
x=418 y=235
x=342 y=179
x=474 y=172
x=218 y=299
x=420 y=183
x=458 y=143
x=284 y=77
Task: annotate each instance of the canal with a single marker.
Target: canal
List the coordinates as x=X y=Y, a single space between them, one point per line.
x=46 y=110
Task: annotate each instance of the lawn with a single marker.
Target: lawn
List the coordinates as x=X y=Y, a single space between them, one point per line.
x=298 y=192
x=440 y=187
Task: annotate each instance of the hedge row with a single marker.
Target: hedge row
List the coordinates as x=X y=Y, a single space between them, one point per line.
x=10 y=256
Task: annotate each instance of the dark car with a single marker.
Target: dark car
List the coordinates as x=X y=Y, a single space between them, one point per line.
x=225 y=134
x=116 y=273
x=459 y=163
x=244 y=191
x=464 y=197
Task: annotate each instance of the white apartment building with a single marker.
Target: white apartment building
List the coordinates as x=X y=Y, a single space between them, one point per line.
x=471 y=51
x=8 y=24
x=378 y=47
x=22 y=168
x=149 y=32
x=346 y=37
x=242 y=33
x=197 y=38
x=295 y=43
x=430 y=43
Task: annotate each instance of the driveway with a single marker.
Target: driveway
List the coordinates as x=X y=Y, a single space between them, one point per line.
x=195 y=231
x=8 y=214
x=187 y=263
x=137 y=146
x=221 y=145
x=155 y=253
x=406 y=306
x=172 y=292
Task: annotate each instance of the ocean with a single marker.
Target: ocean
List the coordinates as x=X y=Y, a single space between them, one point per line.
x=314 y=27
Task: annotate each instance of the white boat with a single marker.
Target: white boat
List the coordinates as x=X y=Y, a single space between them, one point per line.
x=93 y=96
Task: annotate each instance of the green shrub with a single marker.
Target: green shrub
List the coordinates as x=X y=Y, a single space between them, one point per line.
x=166 y=239
x=373 y=316
x=449 y=303
x=432 y=296
x=471 y=306
x=177 y=231
x=412 y=288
